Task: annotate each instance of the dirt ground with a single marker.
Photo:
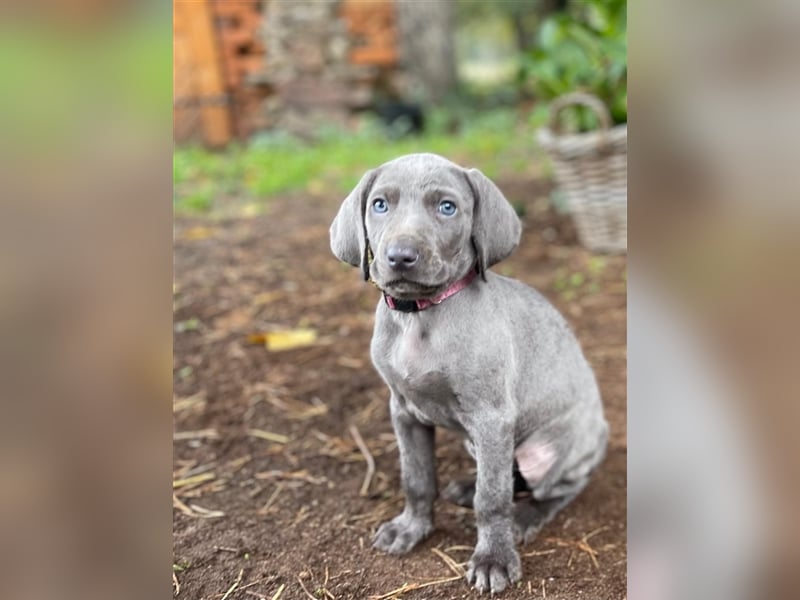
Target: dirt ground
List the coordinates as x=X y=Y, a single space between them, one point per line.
x=267 y=473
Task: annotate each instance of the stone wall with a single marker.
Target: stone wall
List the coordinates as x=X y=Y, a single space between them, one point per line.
x=310 y=69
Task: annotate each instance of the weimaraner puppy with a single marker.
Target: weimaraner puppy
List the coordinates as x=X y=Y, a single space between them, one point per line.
x=464 y=348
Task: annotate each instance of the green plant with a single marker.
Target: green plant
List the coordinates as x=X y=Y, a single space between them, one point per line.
x=274 y=163
x=571 y=285
x=199 y=200
x=582 y=49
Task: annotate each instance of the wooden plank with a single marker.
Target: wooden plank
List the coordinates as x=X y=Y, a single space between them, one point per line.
x=216 y=118
x=374 y=55
x=240 y=47
x=185 y=119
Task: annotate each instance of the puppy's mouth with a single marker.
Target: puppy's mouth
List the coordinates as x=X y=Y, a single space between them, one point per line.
x=408 y=289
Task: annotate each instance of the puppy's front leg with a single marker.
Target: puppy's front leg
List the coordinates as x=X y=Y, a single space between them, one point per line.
x=418 y=472
x=495 y=563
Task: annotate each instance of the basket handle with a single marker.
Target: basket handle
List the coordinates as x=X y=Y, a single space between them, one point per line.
x=584 y=99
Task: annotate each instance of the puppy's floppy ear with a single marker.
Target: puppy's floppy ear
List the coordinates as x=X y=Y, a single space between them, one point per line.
x=349 y=230
x=495 y=226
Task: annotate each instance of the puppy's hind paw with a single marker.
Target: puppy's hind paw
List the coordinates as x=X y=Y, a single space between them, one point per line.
x=530 y=516
x=401 y=534
x=461 y=492
x=525 y=534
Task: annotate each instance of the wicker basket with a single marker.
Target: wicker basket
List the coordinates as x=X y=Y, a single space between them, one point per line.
x=592 y=171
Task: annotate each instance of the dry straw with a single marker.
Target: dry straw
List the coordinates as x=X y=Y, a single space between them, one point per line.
x=592 y=170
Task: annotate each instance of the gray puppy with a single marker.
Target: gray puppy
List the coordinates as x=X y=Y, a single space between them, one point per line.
x=463 y=348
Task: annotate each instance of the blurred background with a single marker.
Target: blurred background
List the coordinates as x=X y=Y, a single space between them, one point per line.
x=309 y=94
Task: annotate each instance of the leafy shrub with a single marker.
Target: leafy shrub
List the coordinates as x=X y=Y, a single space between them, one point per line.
x=582 y=49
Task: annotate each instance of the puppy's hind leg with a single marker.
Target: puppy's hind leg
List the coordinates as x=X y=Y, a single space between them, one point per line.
x=552 y=486
x=462 y=491
x=530 y=514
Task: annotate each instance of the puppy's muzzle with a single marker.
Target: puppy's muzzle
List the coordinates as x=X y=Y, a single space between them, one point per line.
x=402 y=255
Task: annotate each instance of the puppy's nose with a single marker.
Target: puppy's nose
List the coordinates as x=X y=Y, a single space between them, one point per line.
x=402 y=256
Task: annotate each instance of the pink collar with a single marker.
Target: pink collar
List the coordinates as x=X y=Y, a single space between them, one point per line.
x=423 y=303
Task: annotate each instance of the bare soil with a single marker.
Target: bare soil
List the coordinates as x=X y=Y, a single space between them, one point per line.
x=267 y=473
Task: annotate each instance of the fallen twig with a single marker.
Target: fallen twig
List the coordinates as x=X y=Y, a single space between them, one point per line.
x=193 y=470
x=301 y=516
x=296 y=410
x=192 y=481
x=279 y=592
x=581 y=544
x=235 y=584
x=193 y=435
x=271 y=500
x=367 y=457
x=180 y=404
x=302 y=585
x=459 y=547
x=455 y=567
x=540 y=552
x=205 y=513
x=269 y=579
x=237 y=463
x=268 y=435
x=176 y=503
x=299 y=475
x=408 y=587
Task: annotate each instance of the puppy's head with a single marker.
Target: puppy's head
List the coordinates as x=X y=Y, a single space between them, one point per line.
x=417 y=224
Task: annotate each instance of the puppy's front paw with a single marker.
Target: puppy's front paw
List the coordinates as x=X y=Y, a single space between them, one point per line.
x=493 y=571
x=401 y=534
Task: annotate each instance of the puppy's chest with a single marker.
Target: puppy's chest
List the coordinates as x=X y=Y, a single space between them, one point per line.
x=414 y=363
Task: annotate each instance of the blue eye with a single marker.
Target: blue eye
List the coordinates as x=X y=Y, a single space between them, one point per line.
x=447 y=208
x=380 y=205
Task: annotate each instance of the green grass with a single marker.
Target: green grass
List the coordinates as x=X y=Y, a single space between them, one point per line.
x=496 y=141
x=199 y=200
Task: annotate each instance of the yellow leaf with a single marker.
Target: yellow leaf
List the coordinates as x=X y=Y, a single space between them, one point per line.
x=251 y=210
x=257 y=338
x=287 y=340
x=316 y=187
x=266 y=297
x=198 y=233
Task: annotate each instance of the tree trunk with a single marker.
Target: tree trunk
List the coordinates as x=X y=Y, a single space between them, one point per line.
x=427 y=48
